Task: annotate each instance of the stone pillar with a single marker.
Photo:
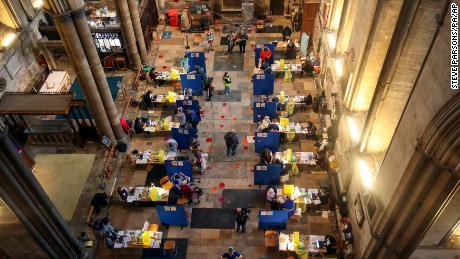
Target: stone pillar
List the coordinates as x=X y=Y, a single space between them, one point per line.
x=84 y=74
x=20 y=190
x=129 y=36
x=98 y=73
x=136 y=20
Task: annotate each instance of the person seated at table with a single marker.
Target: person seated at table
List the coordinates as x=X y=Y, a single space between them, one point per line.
x=103 y=226
x=188 y=94
x=283 y=166
x=274 y=99
x=265 y=54
x=323 y=197
x=320 y=146
x=331 y=245
x=264 y=125
x=286 y=32
x=308 y=99
x=139 y=126
x=291 y=51
x=133 y=156
x=274 y=127
x=289 y=205
x=180 y=117
x=306 y=67
x=192 y=118
x=311 y=130
x=122 y=192
x=266 y=157
x=231 y=254
x=272 y=198
x=179 y=178
x=200 y=70
x=171 y=145
x=186 y=191
x=149 y=99
x=194 y=144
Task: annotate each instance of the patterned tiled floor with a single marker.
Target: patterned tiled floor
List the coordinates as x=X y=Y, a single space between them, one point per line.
x=219 y=116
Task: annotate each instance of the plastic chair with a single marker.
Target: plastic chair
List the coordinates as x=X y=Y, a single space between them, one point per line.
x=166 y=183
x=169 y=247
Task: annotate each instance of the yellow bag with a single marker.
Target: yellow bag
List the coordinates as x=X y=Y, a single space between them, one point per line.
x=174 y=74
x=153 y=194
x=284 y=122
x=281 y=64
x=288 y=189
x=282 y=96
x=161 y=156
x=294 y=169
x=146 y=238
x=289 y=154
x=170 y=97
x=166 y=124
x=287 y=76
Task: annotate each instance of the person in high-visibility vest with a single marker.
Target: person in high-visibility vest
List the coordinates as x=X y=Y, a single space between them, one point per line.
x=227 y=83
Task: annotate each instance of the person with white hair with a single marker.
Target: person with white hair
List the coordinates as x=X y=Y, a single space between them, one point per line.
x=231 y=254
x=264 y=124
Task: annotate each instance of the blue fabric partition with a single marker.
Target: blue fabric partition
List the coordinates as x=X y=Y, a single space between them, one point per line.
x=259 y=48
x=270 y=140
x=192 y=81
x=173 y=167
x=263 y=84
x=183 y=136
x=196 y=58
x=262 y=109
x=273 y=219
x=190 y=104
x=267 y=174
x=172 y=215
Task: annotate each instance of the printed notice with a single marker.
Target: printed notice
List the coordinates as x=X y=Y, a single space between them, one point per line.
x=454 y=46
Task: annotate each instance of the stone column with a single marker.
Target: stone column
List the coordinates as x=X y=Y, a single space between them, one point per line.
x=84 y=74
x=20 y=190
x=98 y=72
x=135 y=19
x=128 y=33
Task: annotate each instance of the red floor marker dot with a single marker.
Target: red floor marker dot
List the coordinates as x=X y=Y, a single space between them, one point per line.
x=238 y=164
x=246 y=148
x=222 y=116
x=161 y=56
x=234 y=119
x=224 y=104
x=201 y=112
x=221 y=185
x=221 y=199
x=209 y=140
x=215 y=188
x=221 y=126
x=164 y=67
x=249 y=185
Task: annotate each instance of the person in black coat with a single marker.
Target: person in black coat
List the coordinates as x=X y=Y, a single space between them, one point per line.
x=232 y=142
x=241 y=217
x=286 y=33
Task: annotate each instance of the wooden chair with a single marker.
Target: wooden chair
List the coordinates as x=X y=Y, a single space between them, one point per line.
x=170 y=247
x=271 y=238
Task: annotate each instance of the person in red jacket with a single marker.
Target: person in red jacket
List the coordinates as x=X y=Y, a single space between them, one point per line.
x=265 y=54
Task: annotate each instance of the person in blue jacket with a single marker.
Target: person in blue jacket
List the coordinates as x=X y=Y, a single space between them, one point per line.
x=192 y=118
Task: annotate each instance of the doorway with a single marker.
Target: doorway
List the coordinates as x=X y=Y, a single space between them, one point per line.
x=277 y=7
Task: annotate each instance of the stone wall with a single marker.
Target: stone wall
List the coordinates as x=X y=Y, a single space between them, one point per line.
x=429 y=95
x=23 y=54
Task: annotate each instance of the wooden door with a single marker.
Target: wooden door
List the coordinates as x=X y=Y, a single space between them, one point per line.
x=310 y=11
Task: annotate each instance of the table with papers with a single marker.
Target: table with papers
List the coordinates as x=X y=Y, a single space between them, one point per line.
x=300 y=158
x=158 y=125
x=146 y=194
x=298 y=243
x=148 y=237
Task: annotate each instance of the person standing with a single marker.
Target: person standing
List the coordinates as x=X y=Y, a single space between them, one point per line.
x=209 y=41
x=227 y=83
x=192 y=118
x=243 y=41
x=231 y=141
x=231 y=38
x=231 y=254
x=241 y=217
x=209 y=88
